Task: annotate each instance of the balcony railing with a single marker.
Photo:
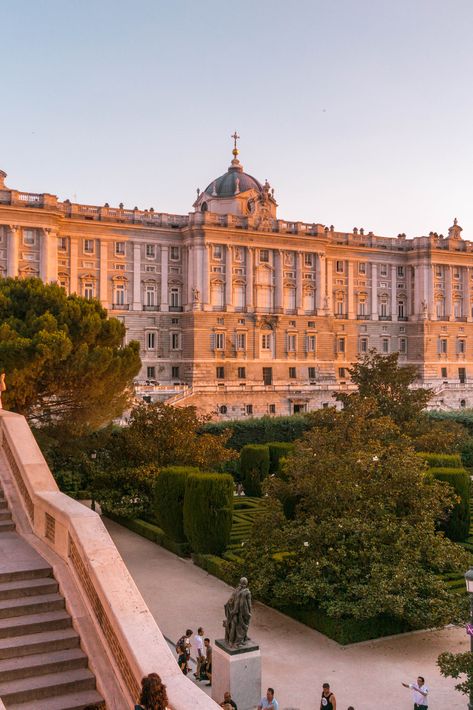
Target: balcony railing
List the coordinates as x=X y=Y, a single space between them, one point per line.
x=363 y=316
x=175 y=309
x=402 y=318
x=385 y=317
x=151 y=308
x=120 y=306
x=341 y=316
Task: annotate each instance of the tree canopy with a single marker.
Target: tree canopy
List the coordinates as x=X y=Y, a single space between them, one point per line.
x=65 y=362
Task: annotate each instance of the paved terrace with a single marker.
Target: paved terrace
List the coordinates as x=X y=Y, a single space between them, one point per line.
x=296 y=660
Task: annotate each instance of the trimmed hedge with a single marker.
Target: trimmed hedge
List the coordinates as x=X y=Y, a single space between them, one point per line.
x=278 y=450
x=457 y=526
x=208 y=508
x=441 y=460
x=217 y=567
x=260 y=430
x=467 y=454
x=254 y=467
x=153 y=533
x=168 y=503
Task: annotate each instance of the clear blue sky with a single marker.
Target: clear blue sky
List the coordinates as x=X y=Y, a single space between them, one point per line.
x=359 y=112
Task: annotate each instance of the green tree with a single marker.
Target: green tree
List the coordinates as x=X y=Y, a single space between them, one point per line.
x=363 y=541
x=65 y=362
x=454 y=665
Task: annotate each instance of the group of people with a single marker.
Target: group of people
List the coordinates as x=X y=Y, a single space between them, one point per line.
x=203 y=647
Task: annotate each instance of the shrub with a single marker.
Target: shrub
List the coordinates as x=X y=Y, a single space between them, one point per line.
x=260 y=430
x=278 y=450
x=457 y=526
x=441 y=460
x=254 y=467
x=168 y=500
x=208 y=508
x=467 y=454
x=126 y=492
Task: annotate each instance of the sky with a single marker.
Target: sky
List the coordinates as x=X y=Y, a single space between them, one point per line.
x=358 y=112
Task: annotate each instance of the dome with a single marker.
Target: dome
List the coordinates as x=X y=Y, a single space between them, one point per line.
x=233 y=182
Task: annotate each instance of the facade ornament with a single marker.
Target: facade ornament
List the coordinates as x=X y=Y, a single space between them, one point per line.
x=237 y=185
x=455 y=230
x=195 y=295
x=198 y=192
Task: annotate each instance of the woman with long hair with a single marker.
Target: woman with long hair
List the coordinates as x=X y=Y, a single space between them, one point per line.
x=153 y=694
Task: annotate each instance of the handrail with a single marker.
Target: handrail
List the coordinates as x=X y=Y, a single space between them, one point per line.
x=131 y=636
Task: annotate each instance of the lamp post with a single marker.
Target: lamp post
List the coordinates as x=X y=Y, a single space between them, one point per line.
x=469 y=589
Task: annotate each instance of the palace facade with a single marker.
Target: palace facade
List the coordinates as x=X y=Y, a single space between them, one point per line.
x=241 y=313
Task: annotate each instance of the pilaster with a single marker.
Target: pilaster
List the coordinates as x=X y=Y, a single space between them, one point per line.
x=228 y=278
x=250 y=258
x=103 y=284
x=137 y=306
x=374 y=292
x=164 y=278
x=13 y=250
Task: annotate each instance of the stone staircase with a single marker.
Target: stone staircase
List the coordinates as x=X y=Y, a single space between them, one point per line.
x=42 y=665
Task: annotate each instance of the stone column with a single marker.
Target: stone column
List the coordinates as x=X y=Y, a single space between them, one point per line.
x=351 y=291
x=467 y=294
x=278 y=281
x=250 y=257
x=206 y=278
x=74 y=261
x=320 y=284
x=374 y=292
x=229 y=278
x=329 y=282
x=198 y=275
x=103 y=283
x=137 y=305
x=48 y=256
x=417 y=292
x=13 y=250
x=393 y=292
x=448 y=292
x=190 y=276
x=164 y=278
x=299 y=283
x=431 y=294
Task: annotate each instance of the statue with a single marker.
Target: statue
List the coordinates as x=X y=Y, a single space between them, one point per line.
x=238 y=615
x=195 y=295
x=2 y=387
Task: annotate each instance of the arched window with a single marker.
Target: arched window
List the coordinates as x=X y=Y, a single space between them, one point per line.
x=223 y=409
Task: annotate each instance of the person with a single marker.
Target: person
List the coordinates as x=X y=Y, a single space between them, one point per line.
x=185 y=641
x=153 y=694
x=419 y=693
x=208 y=660
x=227 y=700
x=182 y=659
x=199 y=644
x=269 y=701
x=328 y=701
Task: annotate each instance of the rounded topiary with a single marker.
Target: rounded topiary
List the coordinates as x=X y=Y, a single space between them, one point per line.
x=278 y=450
x=254 y=467
x=168 y=502
x=208 y=510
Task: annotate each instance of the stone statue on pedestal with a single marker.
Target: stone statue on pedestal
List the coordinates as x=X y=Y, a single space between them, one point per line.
x=238 y=615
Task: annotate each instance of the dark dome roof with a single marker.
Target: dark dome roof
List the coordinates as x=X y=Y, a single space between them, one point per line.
x=225 y=185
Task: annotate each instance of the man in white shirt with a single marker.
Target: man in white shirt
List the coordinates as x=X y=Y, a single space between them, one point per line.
x=199 y=644
x=419 y=693
x=269 y=702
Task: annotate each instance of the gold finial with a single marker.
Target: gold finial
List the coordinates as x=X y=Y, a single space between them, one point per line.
x=235 y=137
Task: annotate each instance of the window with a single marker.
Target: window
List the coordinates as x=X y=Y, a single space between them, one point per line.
x=383 y=270
x=362 y=307
x=249 y=409
x=363 y=345
x=220 y=372
x=383 y=312
x=311 y=324
x=264 y=255
x=29 y=237
x=362 y=268
x=457 y=309
x=310 y=343
x=175 y=372
x=462 y=403
x=291 y=343
x=292 y=373
x=271 y=409
x=443 y=373
x=308 y=259
x=219 y=341
x=62 y=243
x=443 y=346
x=241 y=321
x=341 y=345
x=266 y=341
x=174 y=253
x=174 y=321
x=150 y=251
x=440 y=308
x=88 y=246
x=342 y=372
x=220 y=321
x=150 y=295
x=148 y=268
x=242 y=373
x=385 y=345
x=339 y=307
x=175 y=297
x=403 y=345
x=438 y=270
x=117 y=267
x=311 y=373
x=150 y=373
x=88 y=290
x=456 y=272
x=120 y=248
x=241 y=341
x=292 y=323
x=175 y=341
x=217 y=252
x=462 y=375
x=401 y=311
x=461 y=346
x=119 y=295
x=339 y=267
x=150 y=340
x=400 y=272
x=267 y=375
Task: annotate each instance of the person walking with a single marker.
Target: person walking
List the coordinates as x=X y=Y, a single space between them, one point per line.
x=182 y=659
x=328 y=700
x=208 y=660
x=199 y=644
x=419 y=693
x=269 y=702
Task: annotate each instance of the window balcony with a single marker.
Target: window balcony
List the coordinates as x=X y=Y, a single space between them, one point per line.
x=341 y=316
x=443 y=318
x=363 y=316
x=120 y=306
x=461 y=319
x=151 y=308
x=385 y=318
x=175 y=309
x=402 y=318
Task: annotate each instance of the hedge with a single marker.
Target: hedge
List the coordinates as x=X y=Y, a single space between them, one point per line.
x=457 y=526
x=254 y=467
x=260 y=430
x=461 y=416
x=441 y=460
x=217 y=567
x=153 y=533
x=208 y=509
x=168 y=503
x=278 y=450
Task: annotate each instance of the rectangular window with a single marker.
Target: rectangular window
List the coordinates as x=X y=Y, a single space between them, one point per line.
x=266 y=341
x=341 y=345
x=220 y=372
x=219 y=341
x=403 y=345
x=174 y=253
x=150 y=251
x=241 y=341
x=291 y=343
x=267 y=375
x=175 y=297
x=385 y=345
x=249 y=409
x=443 y=346
x=150 y=341
x=311 y=343
x=120 y=248
x=311 y=324
x=363 y=345
x=400 y=272
x=271 y=409
x=62 y=243
x=443 y=373
x=264 y=255
x=217 y=252
x=461 y=346
x=456 y=272
x=311 y=373
x=119 y=295
x=339 y=267
x=292 y=373
x=150 y=373
x=174 y=321
x=28 y=237
x=175 y=372
x=88 y=290
x=308 y=259
x=150 y=295
x=88 y=246
x=362 y=267
x=383 y=270
x=242 y=373
x=462 y=375
x=342 y=372
x=175 y=341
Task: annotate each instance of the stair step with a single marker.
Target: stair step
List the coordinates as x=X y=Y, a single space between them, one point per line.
x=28 y=588
x=5 y=514
x=42 y=642
x=71 y=701
x=35 y=623
x=32 y=571
x=42 y=663
x=46 y=686
x=3 y=504
x=6 y=526
x=30 y=605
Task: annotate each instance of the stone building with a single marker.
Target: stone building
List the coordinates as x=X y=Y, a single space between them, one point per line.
x=242 y=313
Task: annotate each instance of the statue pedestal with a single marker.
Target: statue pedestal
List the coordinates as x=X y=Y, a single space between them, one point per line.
x=239 y=671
